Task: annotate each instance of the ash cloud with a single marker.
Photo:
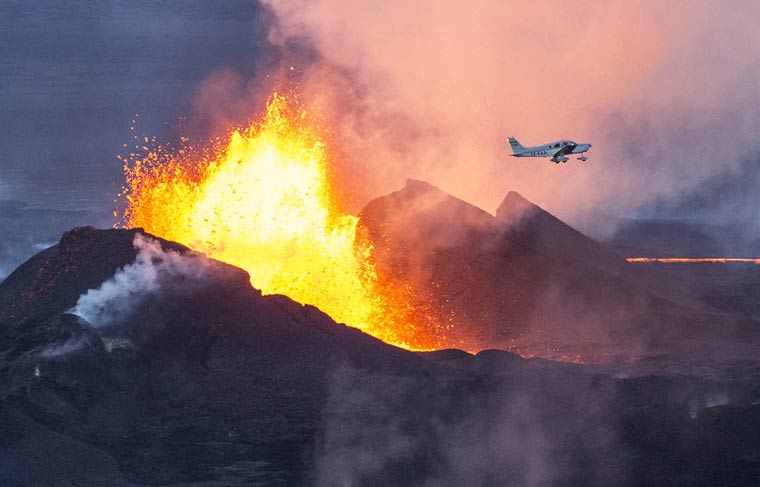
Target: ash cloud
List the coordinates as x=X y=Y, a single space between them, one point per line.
x=666 y=92
x=153 y=270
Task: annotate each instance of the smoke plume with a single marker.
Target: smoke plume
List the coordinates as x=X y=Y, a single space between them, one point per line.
x=665 y=91
x=385 y=429
x=153 y=269
x=64 y=348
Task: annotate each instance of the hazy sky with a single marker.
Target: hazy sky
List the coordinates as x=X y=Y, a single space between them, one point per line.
x=74 y=73
x=666 y=91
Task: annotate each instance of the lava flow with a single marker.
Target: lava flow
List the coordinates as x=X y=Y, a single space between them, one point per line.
x=264 y=202
x=692 y=260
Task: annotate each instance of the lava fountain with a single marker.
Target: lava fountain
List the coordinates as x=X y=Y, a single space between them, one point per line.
x=263 y=200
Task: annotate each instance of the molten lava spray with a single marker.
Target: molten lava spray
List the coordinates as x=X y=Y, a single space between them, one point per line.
x=264 y=202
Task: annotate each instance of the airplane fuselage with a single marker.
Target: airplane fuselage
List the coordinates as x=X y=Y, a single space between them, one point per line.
x=556 y=150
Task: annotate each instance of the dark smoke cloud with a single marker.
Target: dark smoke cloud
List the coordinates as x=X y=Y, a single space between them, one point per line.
x=666 y=92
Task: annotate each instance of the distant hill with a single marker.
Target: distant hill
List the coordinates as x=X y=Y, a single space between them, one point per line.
x=520 y=277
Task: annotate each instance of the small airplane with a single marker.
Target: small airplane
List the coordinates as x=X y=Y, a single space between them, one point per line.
x=556 y=150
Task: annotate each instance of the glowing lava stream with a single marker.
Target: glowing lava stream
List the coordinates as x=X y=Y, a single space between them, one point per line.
x=692 y=260
x=264 y=203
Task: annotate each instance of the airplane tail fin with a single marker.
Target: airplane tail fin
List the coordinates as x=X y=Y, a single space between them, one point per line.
x=516 y=146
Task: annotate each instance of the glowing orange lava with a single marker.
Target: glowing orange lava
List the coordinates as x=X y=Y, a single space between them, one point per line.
x=692 y=260
x=263 y=201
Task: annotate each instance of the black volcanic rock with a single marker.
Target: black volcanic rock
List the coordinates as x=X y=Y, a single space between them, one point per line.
x=533 y=226
x=523 y=279
x=445 y=247
x=48 y=285
x=157 y=394
x=498 y=277
x=418 y=213
x=52 y=280
x=207 y=382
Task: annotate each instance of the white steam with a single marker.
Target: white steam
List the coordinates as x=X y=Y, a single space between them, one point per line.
x=120 y=296
x=71 y=345
x=380 y=428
